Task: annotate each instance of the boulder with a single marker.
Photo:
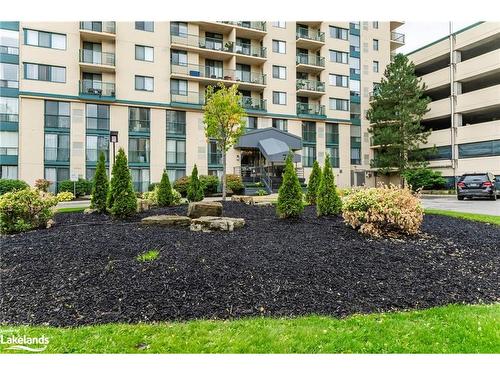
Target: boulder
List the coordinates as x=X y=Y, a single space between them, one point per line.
x=211 y=223
x=199 y=209
x=166 y=220
x=243 y=198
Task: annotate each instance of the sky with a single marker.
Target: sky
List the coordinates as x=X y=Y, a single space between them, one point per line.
x=418 y=34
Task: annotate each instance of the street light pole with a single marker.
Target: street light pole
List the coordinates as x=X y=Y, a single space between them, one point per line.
x=113 y=138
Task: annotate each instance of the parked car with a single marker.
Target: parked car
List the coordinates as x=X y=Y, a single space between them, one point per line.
x=480 y=185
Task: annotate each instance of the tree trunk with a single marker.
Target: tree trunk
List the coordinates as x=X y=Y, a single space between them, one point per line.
x=223 y=175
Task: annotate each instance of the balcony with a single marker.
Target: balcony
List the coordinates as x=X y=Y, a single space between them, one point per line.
x=309 y=63
x=397 y=39
x=310 y=110
x=97 y=62
x=246 y=54
x=97 y=31
x=187 y=99
x=211 y=75
x=141 y=156
x=176 y=129
x=97 y=89
x=8 y=155
x=248 y=29
x=92 y=154
x=310 y=88
x=252 y=104
x=56 y=155
x=206 y=47
x=138 y=126
x=309 y=38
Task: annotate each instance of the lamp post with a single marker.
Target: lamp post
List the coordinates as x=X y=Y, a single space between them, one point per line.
x=113 y=138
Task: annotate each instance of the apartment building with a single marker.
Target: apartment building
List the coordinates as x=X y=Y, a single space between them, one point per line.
x=66 y=87
x=462 y=75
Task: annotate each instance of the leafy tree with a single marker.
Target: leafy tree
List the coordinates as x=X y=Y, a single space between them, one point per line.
x=100 y=185
x=165 y=197
x=195 y=189
x=224 y=121
x=121 y=201
x=312 y=186
x=328 y=201
x=395 y=114
x=424 y=178
x=290 y=203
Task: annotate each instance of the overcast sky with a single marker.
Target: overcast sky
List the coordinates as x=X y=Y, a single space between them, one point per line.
x=419 y=34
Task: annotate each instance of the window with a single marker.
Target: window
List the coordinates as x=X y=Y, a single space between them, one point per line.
x=8 y=143
x=355 y=145
x=279 y=46
x=279 y=97
x=309 y=131
x=339 y=104
x=214 y=153
x=176 y=151
x=281 y=124
x=8 y=172
x=9 y=75
x=354 y=43
x=354 y=65
x=178 y=57
x=138 y=150
x=143 y=83
x=251 y=123
x=145 y=25
x=44 y=39
x=339 y=32
x=375 y=24
x=309 y=155
x=139 y=119
x=140 y=179
x=479 y=149
x=48 y=73
x=97 y=116
x=175 y=174
x=333 y=152
x=57 y=115
x=56 y=147
x=90 y=173
x=339 y=80
x=355 y=87
x=339 y=57
x=178 y=86
x=375 y=44
x=280 y=24
x=9 y=109
x=355 y=111
x=279 y=72
x=95 y=145
x=56 y=175
x=9 y=42
x=332 y=133
x=442 y=153
x=144 y=53
x=354 y=25
x=176 y=123
x=179 y=29
x=375 y=66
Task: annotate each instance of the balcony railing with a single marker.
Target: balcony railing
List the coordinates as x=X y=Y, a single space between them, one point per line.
x=200 y=42
x=59 y=154
x=332 y=138
x=176 y=128
x=8 y=151
x=310 y=109
x=99 y=26
x=9 y=50
x=57 y=122
x=308 y=136
x=310 y=60
x=194 y=70
x=311 y=34
x=397 y=37
x=94 y=57
x=176 y=158
x=142 y=126
x=187 y=97
x=214 y=158
x=9 y=117
x=138 y=156
x=310 y=85
x=98 y=88
x=92 y=154
x=247 y=49
x=253 y=104
x=9 y=83
x=256 y=25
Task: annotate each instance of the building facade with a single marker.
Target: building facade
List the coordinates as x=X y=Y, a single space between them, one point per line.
x=66 y=85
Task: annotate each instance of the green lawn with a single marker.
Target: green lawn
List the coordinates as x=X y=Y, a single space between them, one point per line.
x=449 y=329
x=492 y=219
x=70 y=209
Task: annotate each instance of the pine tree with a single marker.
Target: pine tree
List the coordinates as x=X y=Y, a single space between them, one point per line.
x=328 y=201
x=290 y=203
x=122 y=201
x=395 y=114
x=100 y=186
x=195 y=189
x=165 y=197
x=312 y=186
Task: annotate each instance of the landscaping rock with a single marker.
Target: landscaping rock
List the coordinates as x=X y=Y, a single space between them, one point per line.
x=166 y=220
x=211 y=223
x=50 y=224
x=199 y=209
x=143 y=205
x=263 y=204
x=89 y=211
x=242 y=198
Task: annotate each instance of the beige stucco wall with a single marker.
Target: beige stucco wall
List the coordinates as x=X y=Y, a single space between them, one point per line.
x=31 y=136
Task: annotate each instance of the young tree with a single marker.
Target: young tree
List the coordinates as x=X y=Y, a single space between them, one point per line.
x=395 y=114
x=290 y=203
x=328 y=201
x=122 y=201
x=312 y=186
x=195 y=189
x=165 y=197
x=224 y=121
x=100 y=186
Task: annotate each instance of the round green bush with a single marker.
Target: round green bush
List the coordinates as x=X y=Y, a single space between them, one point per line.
x=82 y=187
x=209 y=184
x=7 y=185
x=181 y=185
x=234 y=183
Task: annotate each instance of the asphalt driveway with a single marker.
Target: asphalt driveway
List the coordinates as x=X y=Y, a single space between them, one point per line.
x=475 y=206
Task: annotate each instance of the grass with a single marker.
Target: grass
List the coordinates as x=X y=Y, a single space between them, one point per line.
x=148 y=256
x=448 y=329
x=70 y=209
x=491 y=219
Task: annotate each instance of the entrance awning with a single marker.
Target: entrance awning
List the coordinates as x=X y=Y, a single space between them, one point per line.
x=275 y=151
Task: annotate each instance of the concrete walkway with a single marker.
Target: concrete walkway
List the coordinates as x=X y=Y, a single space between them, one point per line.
x=475 y=206
x=74 y=204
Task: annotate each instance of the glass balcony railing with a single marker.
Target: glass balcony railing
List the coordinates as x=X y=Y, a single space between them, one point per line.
x=310 y=60
x=8 y=50
x=59 y=154
x=310 y=34
x=308 y=136
x=247 y=49
x=176 y=128
x=98 y=88
x=397 y=37
x=92 y=154
x=256 y=25
x=218 y=73
x=57 y=122
x=310 y=109
x=332 y=138
x=100 y=58
x=310 y=85
x=9 y=117
x=187 y=97
x=8 y=151
x=253 y=104
x=142 y=126
x=176 y=157
x=141 y=156
x=213 y=44
x=99 y=26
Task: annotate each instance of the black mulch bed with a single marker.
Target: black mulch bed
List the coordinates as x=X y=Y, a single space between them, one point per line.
x=84 y=270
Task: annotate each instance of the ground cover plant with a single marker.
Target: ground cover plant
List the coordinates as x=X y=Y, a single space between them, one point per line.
x=148 y=256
